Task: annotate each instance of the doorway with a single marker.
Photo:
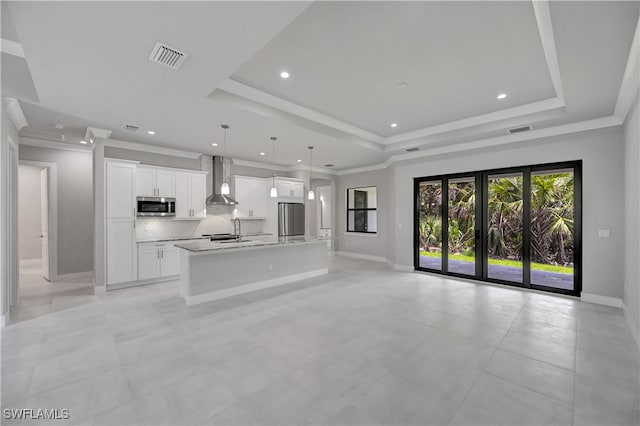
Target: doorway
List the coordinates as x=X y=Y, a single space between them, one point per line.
x=519 y=226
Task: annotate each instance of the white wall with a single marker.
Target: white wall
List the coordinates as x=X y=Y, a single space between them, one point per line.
x=602 y=207
x=632 y=219
x=365 y=244
x=75 y=205
x=29 y=212
x=8 y=265
x=601 y=152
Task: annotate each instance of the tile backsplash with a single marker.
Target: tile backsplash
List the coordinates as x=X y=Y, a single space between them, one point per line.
x=218 y=221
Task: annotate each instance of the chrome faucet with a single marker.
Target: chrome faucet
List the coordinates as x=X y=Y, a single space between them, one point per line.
x=237 y=230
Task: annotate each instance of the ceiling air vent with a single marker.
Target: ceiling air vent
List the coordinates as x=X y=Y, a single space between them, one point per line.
x=414 y=149
x=519 y=129
x=130 y=127
x=167 y=56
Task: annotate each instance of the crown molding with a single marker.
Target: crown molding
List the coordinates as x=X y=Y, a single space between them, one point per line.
x=366 y=168
x=133 y=146
x=11 y=48
x=629 y=86
x=258 y=165
x=392 y=142
x=545 y=29
x=248 y=92
x=581 y=126
x=14 y=110
x=92 y=133
x=48 y=144
x=315 y=169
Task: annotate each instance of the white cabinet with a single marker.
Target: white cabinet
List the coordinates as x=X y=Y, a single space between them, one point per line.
x=155 y=182
x=191 y=195
x=251 y=195
x=290 y=188
x=120 y=206
x=157 y=260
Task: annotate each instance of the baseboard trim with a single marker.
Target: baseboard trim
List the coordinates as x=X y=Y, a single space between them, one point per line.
x=362 y=256
x=247 y=288
x=139 y=283
x=74 y=276
x=601 y=300
x=633 y=325
x=396 y=266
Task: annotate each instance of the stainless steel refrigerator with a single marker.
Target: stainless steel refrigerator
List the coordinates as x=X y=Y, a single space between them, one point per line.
x=290 y=219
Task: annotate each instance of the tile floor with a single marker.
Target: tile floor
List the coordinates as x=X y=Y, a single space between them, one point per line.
x=40 y=297
x=364 y=345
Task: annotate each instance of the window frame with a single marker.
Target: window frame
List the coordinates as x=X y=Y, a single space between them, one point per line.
x=360 y=210
x=482 y=273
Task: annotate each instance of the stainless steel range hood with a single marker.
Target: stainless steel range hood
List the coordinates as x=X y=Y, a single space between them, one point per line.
x=217 y=173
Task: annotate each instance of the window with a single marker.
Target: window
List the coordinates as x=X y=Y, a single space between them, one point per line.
x=518 y=226
x=362 y=215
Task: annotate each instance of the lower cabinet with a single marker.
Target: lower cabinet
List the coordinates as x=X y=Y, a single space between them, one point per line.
x=157 y=260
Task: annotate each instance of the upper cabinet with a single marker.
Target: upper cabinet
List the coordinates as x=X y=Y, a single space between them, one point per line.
x=251 y=195
x=290 y=188
x=191 y=195
x=155 y=182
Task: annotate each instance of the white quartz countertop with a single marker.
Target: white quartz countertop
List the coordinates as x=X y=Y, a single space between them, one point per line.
x=245 y=243
x=197 y=237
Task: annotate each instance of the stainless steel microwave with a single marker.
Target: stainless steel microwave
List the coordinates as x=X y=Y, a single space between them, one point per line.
x=156 y=206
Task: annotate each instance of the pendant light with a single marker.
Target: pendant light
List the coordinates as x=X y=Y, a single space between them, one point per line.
x=310 y=195
x=274 y=190
x=224 y=188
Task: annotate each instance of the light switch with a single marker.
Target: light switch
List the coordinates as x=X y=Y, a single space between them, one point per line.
x=603 y=233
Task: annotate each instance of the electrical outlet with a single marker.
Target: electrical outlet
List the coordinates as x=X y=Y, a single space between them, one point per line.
x=603 y=233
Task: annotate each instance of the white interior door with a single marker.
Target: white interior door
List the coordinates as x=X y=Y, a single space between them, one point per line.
x=44 y=222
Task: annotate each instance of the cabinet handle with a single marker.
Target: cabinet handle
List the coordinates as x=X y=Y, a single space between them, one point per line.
x=162 y=254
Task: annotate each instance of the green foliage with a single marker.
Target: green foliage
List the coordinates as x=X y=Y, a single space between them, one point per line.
x=552 y=213
x=505 y=262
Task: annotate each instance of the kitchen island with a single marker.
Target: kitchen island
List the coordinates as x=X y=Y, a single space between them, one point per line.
x=212 y=270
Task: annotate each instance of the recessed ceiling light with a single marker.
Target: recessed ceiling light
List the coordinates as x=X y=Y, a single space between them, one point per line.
x=402 y=85
x=83 y=142
x=151 y=132
x=262 y=153
x=299 y=161
x=214 y=144
x=394 y=124
x=284 y=74
x=502 y=96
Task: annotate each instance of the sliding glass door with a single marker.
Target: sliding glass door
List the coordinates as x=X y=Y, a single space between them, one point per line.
x=553 y=233
x=430 y=225
x=461 y=225
x=504 y=225
x=518 y=226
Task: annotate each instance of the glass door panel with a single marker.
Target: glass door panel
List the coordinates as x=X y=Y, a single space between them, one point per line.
x=430 y=224
x=504 y=227
x=461 y=245
x=552 y=228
